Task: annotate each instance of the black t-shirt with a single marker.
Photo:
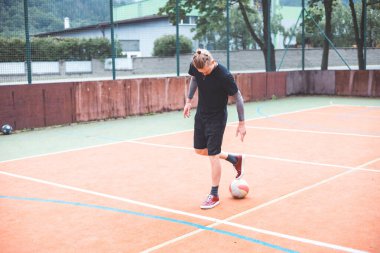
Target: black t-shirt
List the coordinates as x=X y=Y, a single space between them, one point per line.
x=213 y=91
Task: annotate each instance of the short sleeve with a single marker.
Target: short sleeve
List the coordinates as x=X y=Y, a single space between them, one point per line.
x=191 y=70
x=230 y=85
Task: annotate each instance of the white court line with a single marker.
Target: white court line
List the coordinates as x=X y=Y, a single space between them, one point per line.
x=264 y=157
x=369 y=106
x=216 y=221
x=314 y=132
x=153 y=136
x=267 y=204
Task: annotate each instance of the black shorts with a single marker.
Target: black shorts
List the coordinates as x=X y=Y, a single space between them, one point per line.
x=209 y=134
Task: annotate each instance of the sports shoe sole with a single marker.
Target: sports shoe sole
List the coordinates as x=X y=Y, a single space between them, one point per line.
x=209 y=207
x=242 y=167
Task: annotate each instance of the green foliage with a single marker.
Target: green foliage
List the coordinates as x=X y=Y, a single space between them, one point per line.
x=55 y=49
x=211 y=23
x=342 y=25
x=166 y=45
x=48 y=15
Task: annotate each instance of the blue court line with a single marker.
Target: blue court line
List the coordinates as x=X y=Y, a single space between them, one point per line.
x=224 y=232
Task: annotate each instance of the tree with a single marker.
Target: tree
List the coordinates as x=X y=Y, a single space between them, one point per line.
x=359 y=31
x=166 y=45
x=328 y=9
x=47 y=15
x=211 y=17
x=373 y=25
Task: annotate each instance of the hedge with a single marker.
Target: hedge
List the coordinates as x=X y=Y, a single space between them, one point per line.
x=55 y=49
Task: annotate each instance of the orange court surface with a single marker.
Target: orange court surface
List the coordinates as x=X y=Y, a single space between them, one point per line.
x=314 y=177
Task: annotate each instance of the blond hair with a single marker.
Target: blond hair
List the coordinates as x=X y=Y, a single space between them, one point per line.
x=201 y=58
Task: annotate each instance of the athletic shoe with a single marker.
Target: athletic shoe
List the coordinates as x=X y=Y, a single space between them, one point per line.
x=239 y=166
x=210 y=202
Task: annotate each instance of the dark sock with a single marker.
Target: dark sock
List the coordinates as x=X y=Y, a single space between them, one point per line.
x=232 y=159
x=214 y=191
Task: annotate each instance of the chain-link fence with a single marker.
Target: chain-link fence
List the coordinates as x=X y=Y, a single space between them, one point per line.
x=69 y=40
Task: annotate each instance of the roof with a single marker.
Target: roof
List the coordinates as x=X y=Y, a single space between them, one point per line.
x=138 y=9
x=102 y=25
x=141 y=9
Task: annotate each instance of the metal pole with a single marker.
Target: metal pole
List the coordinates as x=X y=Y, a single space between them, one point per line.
x=112 y=42
x=365 y=33
x=269 y=65
x=303 y=35
x=228 y=33
x=27 y=43
x=177 y=44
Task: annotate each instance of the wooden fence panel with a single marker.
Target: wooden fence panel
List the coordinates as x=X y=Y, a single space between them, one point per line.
x=59 y=103
x=342 y=82
x=295 y=83
x=320 y=82
x=375 y=89
x=175 y=95
x=87 y=101
x=258 y=86
x=29 y=106
x=243 y=81
x=360 y=83
x=7 y=106
x=276 y=84
x=111 y=99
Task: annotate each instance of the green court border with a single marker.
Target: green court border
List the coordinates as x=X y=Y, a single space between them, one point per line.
x=80 y=135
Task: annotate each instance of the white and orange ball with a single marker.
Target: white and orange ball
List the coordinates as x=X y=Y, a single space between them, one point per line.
x=239 y=188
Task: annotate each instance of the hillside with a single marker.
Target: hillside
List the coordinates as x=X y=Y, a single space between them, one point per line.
x=47 y=15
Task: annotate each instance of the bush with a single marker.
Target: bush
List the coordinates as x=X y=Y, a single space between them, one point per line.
x=166 y=45
x=55 y=49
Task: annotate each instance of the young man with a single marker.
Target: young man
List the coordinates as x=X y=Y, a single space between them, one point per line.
x=214 y=83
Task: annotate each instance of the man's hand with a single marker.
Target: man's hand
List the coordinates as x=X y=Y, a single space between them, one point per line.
x=241 y=130
x=186 y=110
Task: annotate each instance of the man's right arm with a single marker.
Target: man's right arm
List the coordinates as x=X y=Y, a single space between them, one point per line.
x=193 y=87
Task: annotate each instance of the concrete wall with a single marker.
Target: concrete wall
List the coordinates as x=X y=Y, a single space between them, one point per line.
x=240 y=61
x=253 y=60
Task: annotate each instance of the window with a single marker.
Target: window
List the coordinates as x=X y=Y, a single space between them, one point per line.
x=189 y=20
x=130 y=45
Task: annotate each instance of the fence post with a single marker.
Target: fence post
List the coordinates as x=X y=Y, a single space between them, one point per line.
x=269 y=63
x=27 y=43
x=112 y=41
x=177 y=44
x=365 y=33
x=228 y=33
x=303 y=35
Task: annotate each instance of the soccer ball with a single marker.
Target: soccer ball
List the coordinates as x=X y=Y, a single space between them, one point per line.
x=6 y=129
x=239 y=188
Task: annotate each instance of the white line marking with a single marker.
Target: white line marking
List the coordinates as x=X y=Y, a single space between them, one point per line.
x=263 y=157
x=311 y=131
x=267 y=204
x=151 y=136
x=368 y=106
x=216 y=221
x=202 y=217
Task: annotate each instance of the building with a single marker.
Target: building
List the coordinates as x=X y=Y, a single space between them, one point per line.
x=136 y=27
